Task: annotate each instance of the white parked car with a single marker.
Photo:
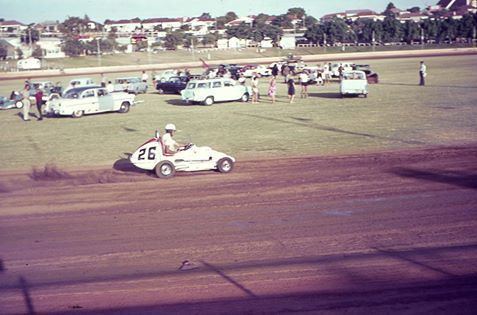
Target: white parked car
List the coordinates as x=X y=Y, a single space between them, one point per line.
x=79 y=82
x=258 y=70
x=90 y=100
x=347 y=66
x=209 y=91
x=354 y=83
x=130 y=85
x=166 y=75
x=151 y=156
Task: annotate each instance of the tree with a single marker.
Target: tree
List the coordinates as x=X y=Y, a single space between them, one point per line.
x=283 y=21
x=172 y=40
x=230 y=16
x=73 y=47
x=315 y=33
x=389 y=10
x=310 y=21
x=30 y=33
x=242 y=31
x=298 y=13
x=414 y=9
x=209 y=39
x=19 y=53
x=37 y=52
x=3 y=52
x=73 y=25
x=392 y=30
x=261 y=19
x=411 y=31
x=205 y=15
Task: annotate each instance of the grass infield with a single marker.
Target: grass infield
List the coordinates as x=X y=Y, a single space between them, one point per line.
x=397 y=114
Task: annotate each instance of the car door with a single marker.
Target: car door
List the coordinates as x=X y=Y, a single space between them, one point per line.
x=105 y=100
x=89 y=101
x=217 y=91
x=231 y=91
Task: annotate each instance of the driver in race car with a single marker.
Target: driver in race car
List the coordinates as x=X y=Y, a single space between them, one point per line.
x=170 y=145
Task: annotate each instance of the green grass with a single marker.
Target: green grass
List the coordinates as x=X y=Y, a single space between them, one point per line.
x=397 y=114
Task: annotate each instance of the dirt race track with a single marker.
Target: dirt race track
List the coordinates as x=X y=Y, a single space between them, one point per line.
x=373 y=233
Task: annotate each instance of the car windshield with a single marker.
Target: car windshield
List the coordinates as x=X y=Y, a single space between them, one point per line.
x=353 y=76
x=72 y=94
x=191 y=86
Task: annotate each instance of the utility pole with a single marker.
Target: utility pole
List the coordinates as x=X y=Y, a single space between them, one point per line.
x=324 y=41
x=98 y=51
x=373 y=40
x=474 y=34
x=29 y=37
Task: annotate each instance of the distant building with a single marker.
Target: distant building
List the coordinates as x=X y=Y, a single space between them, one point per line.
x=11 y=50
x=51 y=47
x=122 y=26
x=288 y=41
x=12 y=27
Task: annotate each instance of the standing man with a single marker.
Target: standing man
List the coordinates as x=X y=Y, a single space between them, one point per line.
x=422 y=73
x=103 y=80
x=26 y=102
x=39 y=102
x=144 y=76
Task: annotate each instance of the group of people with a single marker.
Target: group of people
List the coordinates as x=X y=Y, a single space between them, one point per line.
x=30 y=95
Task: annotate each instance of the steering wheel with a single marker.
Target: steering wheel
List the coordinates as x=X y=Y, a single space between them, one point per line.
x=187 y=146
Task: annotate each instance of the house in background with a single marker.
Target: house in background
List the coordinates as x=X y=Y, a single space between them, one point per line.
x=11 y=49
x=122 y=26
x=12 y=27
x=51 y=47
x=288 y=41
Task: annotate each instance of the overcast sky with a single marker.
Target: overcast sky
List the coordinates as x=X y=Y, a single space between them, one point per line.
x=29 y=11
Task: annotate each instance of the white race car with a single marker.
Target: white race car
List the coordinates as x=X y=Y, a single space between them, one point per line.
x=150 y=156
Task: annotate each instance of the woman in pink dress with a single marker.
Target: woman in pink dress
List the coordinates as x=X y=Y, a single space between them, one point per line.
x=272 y=89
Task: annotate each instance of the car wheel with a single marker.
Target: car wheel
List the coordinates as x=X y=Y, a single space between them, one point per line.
x=225 y=165
x=19 y=104
x=160 y=91
x=209 y=101
x=165 y=169
x=124 y=107
x=245 y=98
x=77 y=114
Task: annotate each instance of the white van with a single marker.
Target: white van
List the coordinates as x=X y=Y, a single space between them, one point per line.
x=29 y=64
x=354 y=83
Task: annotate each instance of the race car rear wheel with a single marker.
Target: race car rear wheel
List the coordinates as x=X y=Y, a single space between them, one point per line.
x=244 y=98
x=19 y=104
x=124 y=107
x=209 y=101
x=165 y=169
x=225 y=165
x=77 y=114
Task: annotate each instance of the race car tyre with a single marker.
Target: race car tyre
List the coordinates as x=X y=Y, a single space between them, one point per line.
x=160 y=91
x=244 y=98
x=19 y=104
x=209 y=101
x=165 y=169
x=124 y=107
x=225 y=165
x=77 y=114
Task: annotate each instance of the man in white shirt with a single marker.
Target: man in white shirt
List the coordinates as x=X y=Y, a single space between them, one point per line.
x=170 y=145
x=304 y=81
x=422 y=73
x=144 y=77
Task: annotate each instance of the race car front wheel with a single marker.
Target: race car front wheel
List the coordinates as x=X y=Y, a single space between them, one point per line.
x=19 y=104
x=165 y=169
x=225 y=165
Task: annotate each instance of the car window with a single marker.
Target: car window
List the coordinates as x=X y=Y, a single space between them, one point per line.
x=102 y=92
x=203 y=85
x=191 y=86
x=228 y=83
x=88 y=93
x=217 y=84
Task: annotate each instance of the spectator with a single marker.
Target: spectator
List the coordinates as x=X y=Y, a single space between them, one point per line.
x=110 y=87
x=241 y=79
x=304 y=81
x=291 y=90
x=422 y=73
x=39 y=102
x=254 y=89
x=103 y=80
x=286 y=72
x=340 y=71
x=272 y=89
x=26 y=102
x=144 y=77
x=275 y=70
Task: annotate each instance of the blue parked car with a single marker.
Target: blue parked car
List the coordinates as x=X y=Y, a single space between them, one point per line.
x=173 y=85
x=15 y=101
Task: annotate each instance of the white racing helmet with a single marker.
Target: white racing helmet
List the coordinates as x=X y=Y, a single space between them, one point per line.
x=170 y=127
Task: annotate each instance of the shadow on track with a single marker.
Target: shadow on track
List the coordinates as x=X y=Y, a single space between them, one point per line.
x=455 y=178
